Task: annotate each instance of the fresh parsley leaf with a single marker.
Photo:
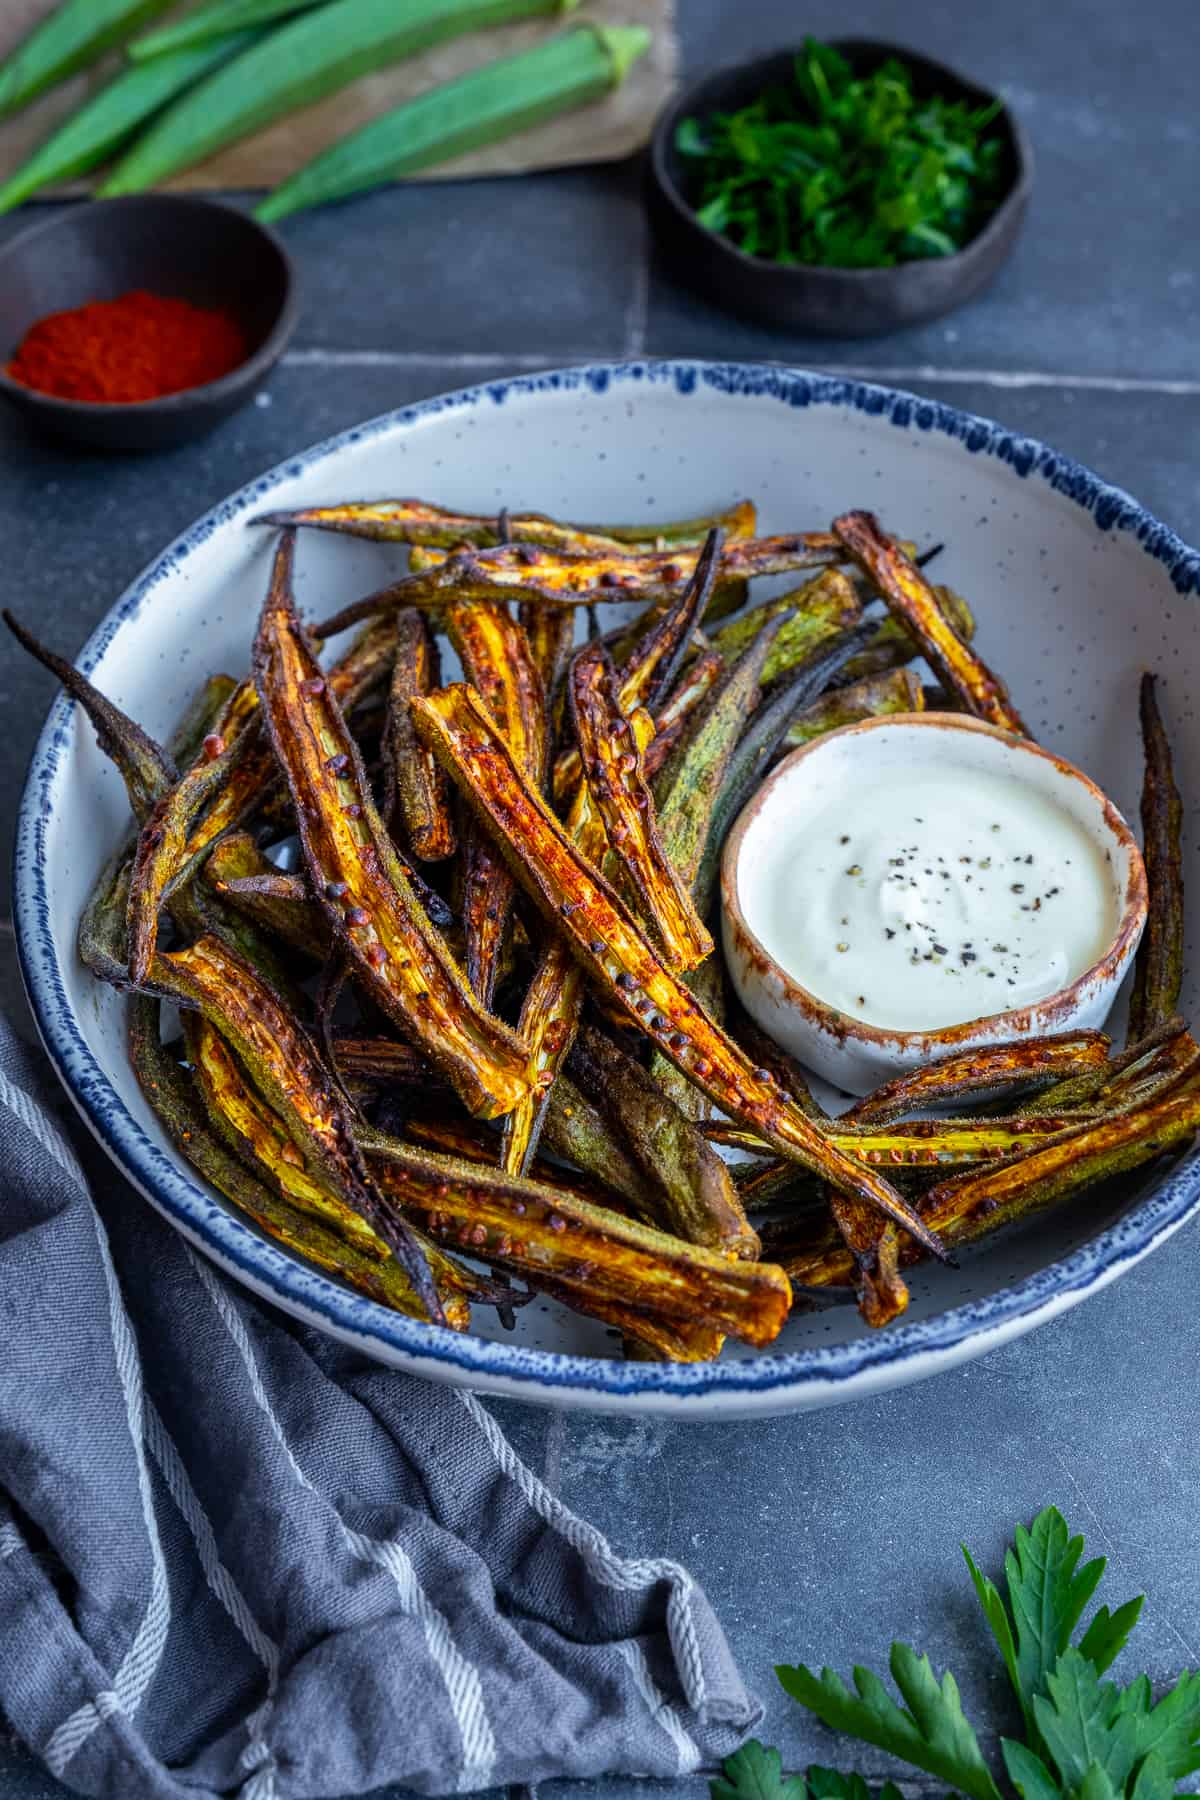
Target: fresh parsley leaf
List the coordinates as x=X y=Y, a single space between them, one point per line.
x=997 y=1617
x=755 y=1772
x=1081 y=1724
x=931 y=1731
x=1171 y=1730
x=1047 y=1592
x=1108 y=1633
x=1027 y=1772
x=1154 y=1780
x=831 y=1784
x=1097 y=1786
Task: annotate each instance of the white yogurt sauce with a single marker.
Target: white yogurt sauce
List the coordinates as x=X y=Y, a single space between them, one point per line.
x=935 y=895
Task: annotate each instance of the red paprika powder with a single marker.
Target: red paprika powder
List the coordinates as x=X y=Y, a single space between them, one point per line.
x=137 y=347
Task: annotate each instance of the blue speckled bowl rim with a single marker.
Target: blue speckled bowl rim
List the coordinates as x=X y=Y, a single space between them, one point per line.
x=886 y=1358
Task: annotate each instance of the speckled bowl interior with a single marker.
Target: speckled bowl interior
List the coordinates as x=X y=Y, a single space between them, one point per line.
x=1076 y=589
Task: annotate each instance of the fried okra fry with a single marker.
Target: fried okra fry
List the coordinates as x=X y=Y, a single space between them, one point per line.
x=559 y=577
x=893 y=644
x=144 y=766
x=689 y=786
x=548 y=1234
x=419 y=789
x=875 y=696
x=983 y=1200
x=417 y=522
x=999 y=1066
x=176 y=1102
x=497 y=660
x=614 y=771
x=1158 y=971
x=397 y=952
x=815 y=613
x=161 y=861
x=911 y=598
x=579 y=900
x=923 y=1143
x=689 y=1190
x=654 y=658
x=283 y=1063
x=277 y=901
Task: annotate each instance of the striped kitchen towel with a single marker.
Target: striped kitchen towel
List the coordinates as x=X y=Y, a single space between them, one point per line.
x=238 y=1558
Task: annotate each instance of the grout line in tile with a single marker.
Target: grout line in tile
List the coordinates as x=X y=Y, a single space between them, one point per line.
x=319 y=358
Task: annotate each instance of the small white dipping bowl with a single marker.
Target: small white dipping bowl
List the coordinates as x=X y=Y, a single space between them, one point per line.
x=851 y=1054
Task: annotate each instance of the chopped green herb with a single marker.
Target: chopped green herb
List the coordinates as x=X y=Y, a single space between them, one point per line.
x=844 y=170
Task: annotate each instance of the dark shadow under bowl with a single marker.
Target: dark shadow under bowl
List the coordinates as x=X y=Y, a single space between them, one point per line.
x=832 y=302
x=172 y=244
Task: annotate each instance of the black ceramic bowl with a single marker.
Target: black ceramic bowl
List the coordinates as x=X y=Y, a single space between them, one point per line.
x=170 y=244
x=833 y=302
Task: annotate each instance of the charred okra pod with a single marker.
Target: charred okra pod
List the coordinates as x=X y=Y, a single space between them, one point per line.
x=547 y=1234
x=1158 y=973
x=357 y=876
x=420 y=791
x=176 y=1103
x=999 y=1066
x=875 y=696
x=618 y=958
x=914 y=601
x=689 y=1190
x=559 y=577
x=615 y=775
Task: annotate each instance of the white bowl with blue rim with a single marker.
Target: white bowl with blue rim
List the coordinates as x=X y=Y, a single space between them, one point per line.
x=1057 y=589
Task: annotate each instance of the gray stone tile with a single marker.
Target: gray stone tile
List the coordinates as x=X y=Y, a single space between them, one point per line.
x=548 y=266
x=821 y=1538
x=1105 y=279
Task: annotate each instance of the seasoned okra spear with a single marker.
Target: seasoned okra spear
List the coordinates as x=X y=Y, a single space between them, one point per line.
x=893 y=644
x=874 y=697
x=997 y=1066
x=981 y=1201
x=815 y=613
x=287 y=1071
x=496 y=657
x=436 y=528
x=419 y=790
x=279 y=902
x=654 y=657
x=1158 y=972
x=558 y=577
x=399 y=955
x=550 y=1235
x=911 y=598
x=921 y=1143
x=144 y=766
x=689 y=1190
x=615 y=775
x=688 y=787
x=578 y=899
x=177 y=1104
x=161 y=862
